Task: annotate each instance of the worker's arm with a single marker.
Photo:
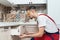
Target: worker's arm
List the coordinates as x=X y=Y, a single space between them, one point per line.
x=38 y=34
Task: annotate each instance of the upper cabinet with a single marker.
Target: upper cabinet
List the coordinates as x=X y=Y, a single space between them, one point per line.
x=27 y=1
x=38 y=1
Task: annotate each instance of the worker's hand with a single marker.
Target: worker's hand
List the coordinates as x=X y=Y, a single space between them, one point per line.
x=23 y=36
x=30 y=33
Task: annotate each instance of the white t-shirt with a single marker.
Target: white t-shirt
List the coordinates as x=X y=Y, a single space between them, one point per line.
x=50 y=27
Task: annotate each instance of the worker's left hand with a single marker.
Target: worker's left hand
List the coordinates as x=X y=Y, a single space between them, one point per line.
x=23 y=36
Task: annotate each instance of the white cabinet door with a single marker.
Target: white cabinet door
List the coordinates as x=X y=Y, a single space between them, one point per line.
x=4 y=34
x=19 y=1
x=22 y=2
x=27 y=1
x=53 y=7
x=38 y=1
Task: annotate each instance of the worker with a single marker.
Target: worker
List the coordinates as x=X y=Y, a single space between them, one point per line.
x=47 y=28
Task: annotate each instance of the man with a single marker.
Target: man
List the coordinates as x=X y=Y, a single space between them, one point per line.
x=47 y=27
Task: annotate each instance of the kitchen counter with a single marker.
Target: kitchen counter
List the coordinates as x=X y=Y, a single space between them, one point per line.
x=3 y=24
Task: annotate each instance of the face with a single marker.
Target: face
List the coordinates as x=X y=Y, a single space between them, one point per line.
x=32 y=13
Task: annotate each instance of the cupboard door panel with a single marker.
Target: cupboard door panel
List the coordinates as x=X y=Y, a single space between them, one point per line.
x=4 y=34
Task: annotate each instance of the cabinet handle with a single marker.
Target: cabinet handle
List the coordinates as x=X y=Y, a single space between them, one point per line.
x=30 y=2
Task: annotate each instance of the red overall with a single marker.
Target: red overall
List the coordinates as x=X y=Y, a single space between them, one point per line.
x=48 y=36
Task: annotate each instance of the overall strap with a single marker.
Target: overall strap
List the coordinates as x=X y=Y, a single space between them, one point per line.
x=49 y=18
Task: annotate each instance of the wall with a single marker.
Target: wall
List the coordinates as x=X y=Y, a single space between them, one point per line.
x=54 y=9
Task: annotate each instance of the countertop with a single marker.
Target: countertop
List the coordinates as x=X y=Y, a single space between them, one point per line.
x=3 y=24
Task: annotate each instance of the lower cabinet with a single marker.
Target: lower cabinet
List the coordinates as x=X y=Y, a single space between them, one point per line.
x=4 y=34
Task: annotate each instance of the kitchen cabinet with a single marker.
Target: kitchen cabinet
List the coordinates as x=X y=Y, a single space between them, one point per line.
x=27 y=1
x=19 y=2
x=4 y=34
x=38 y=1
